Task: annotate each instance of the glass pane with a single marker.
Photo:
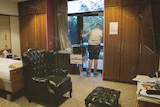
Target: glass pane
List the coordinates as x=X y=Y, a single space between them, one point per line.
x=79 y=6
x=89 y=23
x=72 y=29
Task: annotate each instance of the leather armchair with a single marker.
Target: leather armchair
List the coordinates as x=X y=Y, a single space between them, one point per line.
x=44 y=82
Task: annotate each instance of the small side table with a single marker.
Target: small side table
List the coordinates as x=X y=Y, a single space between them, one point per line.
x=144 y=101
x=78 y=59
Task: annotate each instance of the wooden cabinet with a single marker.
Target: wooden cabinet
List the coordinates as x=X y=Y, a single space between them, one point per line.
x=121 y=50
x=124 y=53
x=35 y=25
x=27 y=32
x=33 y=33
x=32 y=7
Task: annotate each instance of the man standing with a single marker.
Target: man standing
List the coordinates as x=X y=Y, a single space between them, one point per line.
x=94 y=39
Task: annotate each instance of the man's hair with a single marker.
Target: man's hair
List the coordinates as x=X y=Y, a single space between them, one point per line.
x=97 y=24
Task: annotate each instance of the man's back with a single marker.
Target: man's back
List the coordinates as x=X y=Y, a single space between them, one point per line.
x=95 y=37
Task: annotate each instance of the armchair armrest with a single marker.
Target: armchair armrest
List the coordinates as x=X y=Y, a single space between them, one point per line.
x=59 y=72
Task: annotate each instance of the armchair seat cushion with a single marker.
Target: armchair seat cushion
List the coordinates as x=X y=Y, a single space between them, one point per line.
x=59 y=81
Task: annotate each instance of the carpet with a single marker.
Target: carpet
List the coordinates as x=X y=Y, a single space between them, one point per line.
x=65 y=102
x=6 y=103
x=82 y=86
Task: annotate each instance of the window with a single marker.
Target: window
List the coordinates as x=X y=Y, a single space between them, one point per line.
x=80 y=6
x=72 y=29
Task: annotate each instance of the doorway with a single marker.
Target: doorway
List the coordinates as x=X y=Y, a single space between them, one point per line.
x=85 y=22
x=86 y=17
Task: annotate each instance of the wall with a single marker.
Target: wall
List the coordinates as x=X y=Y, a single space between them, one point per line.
x=5 y=36
x=15 y=37
x=8 y=8
x=159 y=64
x=11 y=9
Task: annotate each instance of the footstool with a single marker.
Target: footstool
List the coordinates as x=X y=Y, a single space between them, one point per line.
x=103 y=97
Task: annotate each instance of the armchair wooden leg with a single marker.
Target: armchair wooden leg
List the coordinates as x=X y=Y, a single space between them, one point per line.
x=86 y=104
x=70 y=93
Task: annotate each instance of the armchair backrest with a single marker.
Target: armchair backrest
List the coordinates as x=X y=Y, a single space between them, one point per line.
x=36 y=63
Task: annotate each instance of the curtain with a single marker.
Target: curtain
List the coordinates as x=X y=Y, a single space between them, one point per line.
x=61 y=25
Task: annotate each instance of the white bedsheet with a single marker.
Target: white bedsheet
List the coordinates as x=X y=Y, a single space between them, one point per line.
x=6 y=65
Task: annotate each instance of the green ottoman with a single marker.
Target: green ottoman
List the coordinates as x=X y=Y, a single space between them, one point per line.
x=103 y=97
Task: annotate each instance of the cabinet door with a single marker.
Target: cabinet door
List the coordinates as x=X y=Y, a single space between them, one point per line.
x=27 y=32
x=111 y=61
x=129 y=43
x=40 y=30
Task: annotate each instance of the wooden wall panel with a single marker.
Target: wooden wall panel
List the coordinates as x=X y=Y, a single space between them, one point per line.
x=22 y=8
x=31 y=30
x=111 y=59
x=32 y=7
x=156 y=22
x=148 y=62
x=40 y=6
x=27 y=33
x=132 y=2
x=23 y=36
x=130 y=43
x=40 y=41
x=122 y=2
x=112 y=2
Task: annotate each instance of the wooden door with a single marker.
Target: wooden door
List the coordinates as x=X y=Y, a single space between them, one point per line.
x=112 y=44
x=130 y=43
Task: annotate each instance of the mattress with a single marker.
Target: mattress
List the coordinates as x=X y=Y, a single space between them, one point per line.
x=6 y=65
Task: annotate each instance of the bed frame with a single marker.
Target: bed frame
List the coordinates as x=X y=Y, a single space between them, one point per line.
x=16 y=82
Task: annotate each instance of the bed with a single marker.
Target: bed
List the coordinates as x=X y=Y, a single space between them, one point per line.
x=11 y=76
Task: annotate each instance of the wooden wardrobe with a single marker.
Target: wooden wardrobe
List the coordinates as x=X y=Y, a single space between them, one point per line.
x=36 y=24
x=125 y=55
